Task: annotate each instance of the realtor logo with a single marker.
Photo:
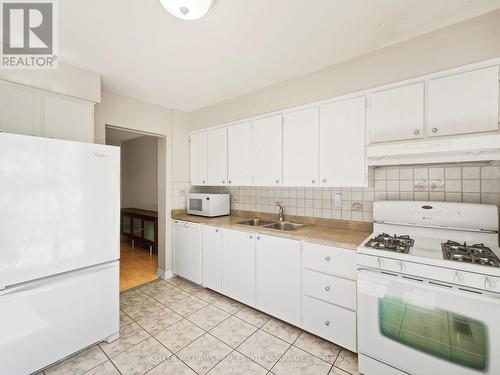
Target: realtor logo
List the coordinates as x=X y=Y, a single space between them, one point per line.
x=28 y=34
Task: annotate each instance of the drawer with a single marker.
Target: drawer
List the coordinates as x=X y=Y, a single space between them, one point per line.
x=330 y=322
x=329 y=259
x=331 y=289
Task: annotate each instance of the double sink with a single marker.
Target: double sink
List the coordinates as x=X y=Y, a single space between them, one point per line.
x=279 y=225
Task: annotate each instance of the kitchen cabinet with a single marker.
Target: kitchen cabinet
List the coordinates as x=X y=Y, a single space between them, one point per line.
x=301 y=147
x=463 y=103
x=187 y=255
x=212 y=257
x=67 y=118
x=238 y=265
x=267 y=151
x=342 y=160
x=278 y=277
x=217 y=157
x=396 y=113
x=20 y=110
x=239 y=154
x=198 y=158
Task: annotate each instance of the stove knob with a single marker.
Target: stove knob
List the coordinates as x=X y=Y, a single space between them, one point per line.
x=487 y=283
x=457 y=278
x=380 y=262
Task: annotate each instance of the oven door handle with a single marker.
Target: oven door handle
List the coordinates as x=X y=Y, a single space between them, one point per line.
x=376 y=276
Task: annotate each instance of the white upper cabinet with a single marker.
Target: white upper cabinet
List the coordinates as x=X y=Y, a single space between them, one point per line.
x=69 y=119
x=239 y=154
x=342 y=143
x=300 y=147
x=217 y=157
x=20 y=110
x=267 y=151
x=199 y=158
x=463 y=103
x=396 y=113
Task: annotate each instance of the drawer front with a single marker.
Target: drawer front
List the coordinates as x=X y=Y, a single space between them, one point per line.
x=331 y=289
x=329 y=259
x=330 y=322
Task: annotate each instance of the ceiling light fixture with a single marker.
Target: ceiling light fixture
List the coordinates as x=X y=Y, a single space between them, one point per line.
x=188 y=9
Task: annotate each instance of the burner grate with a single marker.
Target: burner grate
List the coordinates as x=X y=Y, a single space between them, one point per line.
x=476 y=254
x=398 y=244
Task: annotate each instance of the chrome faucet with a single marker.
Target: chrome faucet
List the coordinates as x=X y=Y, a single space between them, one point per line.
x=281 y=211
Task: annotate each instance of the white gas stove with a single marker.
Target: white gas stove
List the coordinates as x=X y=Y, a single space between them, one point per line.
x=429 y=290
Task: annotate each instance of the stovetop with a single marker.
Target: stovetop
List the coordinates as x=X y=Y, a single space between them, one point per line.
x=475 y=253
x=398 y=244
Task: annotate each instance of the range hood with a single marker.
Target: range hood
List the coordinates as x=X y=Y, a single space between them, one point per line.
x=481 y=147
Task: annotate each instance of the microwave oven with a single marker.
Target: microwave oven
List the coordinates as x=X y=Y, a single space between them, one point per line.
x=209 y=205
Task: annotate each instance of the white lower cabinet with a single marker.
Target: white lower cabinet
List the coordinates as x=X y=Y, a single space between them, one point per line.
x=187 y=250
x=330 y=322
x=212 y=257
x=278 y=277
x=330 y=289
x=238 y=265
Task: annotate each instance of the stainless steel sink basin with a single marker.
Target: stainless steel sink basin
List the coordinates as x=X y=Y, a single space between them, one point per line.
x=255 y=222
x=284 y=225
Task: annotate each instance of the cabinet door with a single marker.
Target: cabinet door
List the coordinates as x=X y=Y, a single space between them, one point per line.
x=67 y=118
x=199 y=158
x=396 y=113
x=126 y=224
x=267 y=151
x=238 y=265
x=239 y=154
x=301 y=147
x=463 y=103
x=20 y=110
x=211 y=240
x=342 y=143
x=217 y=156
x=278 y=277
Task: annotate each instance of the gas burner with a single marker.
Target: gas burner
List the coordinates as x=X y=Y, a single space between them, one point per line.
x=398 y=244
x=477 y=253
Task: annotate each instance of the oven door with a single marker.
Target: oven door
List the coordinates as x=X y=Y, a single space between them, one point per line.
x=198 y=205
x=426 y=328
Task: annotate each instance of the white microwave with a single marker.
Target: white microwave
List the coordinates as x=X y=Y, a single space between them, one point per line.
x=208 y=204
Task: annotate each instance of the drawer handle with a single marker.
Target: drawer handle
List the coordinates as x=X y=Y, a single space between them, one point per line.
x=327 y=323
x=327 y=259
x=251 y=237
x=327 y=288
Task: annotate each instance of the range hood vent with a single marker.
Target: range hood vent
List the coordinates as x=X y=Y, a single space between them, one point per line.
x=483 y=147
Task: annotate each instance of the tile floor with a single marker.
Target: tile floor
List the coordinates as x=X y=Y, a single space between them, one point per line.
x=176 y=327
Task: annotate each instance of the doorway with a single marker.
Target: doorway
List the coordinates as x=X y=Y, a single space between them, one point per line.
x=139 y=205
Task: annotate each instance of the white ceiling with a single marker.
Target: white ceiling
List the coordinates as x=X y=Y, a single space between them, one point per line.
x=241 y=45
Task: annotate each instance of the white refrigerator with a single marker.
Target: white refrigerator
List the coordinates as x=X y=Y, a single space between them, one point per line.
x=59 y=249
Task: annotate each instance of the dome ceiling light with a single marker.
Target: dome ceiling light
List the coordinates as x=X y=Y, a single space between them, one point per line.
x=188 y=9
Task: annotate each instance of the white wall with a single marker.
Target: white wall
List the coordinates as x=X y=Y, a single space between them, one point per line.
x=464 y=43
x=66 y=80
x=139 y=173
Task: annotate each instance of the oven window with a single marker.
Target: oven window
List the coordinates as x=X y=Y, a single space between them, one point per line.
x=438 y=332
x=196 y=204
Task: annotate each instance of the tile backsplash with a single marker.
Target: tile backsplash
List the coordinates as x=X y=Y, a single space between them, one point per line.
x=467 y=182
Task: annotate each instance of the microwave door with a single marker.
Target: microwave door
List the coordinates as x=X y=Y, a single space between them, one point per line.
x=196 y=205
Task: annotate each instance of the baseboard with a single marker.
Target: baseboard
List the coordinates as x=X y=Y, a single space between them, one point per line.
x=165 y=274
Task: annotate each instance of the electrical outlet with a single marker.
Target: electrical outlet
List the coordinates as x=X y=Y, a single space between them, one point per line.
x=337 y=200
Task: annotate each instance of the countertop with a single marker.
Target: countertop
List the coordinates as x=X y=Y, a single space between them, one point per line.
x=340 y=233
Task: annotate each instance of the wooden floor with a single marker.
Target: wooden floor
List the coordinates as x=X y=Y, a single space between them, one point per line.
x=136 y=266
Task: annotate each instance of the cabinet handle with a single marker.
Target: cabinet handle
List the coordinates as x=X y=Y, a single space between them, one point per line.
x=229 y=182
x=223 y=182
x=327 y=288
x=277 y=181
x=203 y=181
x=217 y=231
x=416 y=132
x=251 y=236
x=327 y=323
x=258 y=237
x=324 y=180
x=313 y=181
x=434 y=130
x=327 y=259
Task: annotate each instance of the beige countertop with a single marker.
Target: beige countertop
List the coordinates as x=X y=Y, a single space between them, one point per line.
x=341 y=233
